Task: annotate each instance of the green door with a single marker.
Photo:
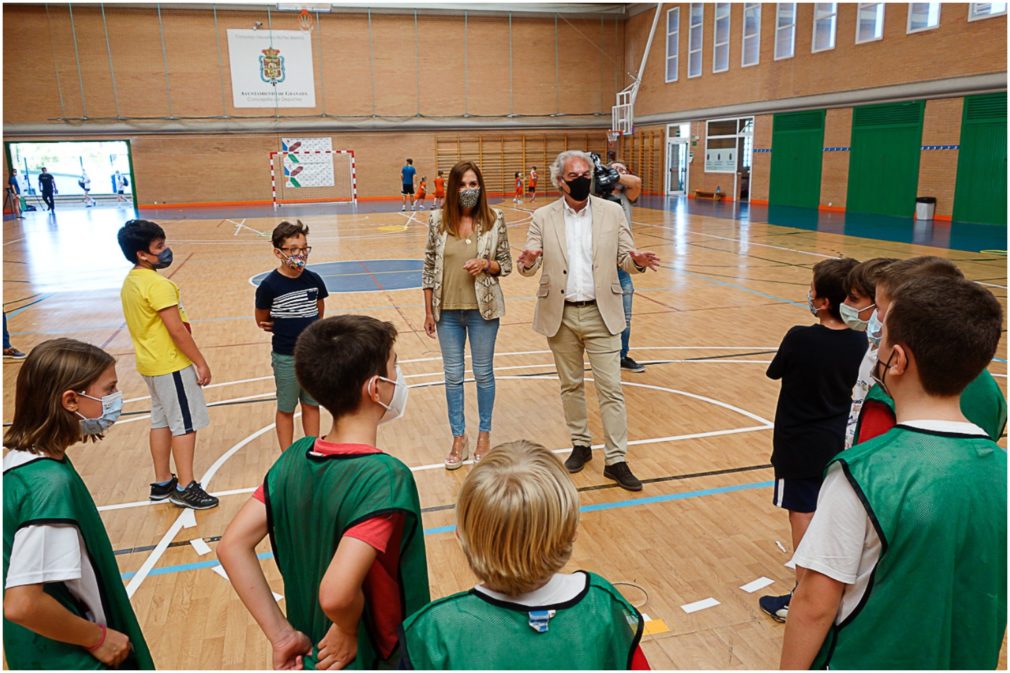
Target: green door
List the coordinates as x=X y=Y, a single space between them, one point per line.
x=797 y=155
x=980 y=192
x=884 y=162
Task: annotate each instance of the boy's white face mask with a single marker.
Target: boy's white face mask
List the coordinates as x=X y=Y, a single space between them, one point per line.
x=398 y=404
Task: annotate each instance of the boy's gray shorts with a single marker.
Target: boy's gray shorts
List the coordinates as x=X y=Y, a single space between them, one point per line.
x=177 y=402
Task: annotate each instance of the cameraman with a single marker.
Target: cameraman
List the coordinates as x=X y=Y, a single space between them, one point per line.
x=626 y=191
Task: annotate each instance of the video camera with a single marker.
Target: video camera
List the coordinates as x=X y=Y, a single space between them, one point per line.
x=604 y=179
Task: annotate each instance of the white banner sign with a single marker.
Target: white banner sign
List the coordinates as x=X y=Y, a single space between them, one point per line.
x=271 y=68
x=306 y=169
x=720 y=160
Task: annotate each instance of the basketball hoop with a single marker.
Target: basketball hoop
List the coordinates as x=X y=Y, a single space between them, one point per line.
x=305 y=19
x=613 y=136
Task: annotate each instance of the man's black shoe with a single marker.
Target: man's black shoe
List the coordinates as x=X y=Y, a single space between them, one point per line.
x=579 y=457
x=621 y=473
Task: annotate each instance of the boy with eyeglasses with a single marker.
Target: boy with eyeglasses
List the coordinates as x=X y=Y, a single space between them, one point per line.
x=288 y=300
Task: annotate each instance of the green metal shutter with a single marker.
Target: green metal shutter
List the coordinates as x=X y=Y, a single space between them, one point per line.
x=980 y=194
x=884 y=163
x=797 y=156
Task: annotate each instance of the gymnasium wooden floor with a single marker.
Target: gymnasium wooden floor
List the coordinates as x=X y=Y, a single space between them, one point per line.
x=699 y=418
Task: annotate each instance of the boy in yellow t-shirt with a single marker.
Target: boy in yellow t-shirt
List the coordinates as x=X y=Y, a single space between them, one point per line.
x=170 y=362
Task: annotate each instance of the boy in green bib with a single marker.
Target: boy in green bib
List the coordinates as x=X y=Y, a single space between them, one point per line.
x=905 y=559
x=65 y=606
x=343 y=517
x=982 y=401
x=517 y=517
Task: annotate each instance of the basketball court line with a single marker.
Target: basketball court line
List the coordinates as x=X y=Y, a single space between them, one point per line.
x=597 y=507
x=137 y=580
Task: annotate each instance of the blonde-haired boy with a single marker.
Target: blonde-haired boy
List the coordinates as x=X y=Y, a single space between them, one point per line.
x=517 y=518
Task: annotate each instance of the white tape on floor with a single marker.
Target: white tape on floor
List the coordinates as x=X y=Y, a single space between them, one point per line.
x=699 y=605
x=759 y=583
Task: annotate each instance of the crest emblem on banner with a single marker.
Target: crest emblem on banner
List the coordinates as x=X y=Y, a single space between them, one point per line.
x=272 y=66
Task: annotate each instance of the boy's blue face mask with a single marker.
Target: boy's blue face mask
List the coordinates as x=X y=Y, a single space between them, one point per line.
x=874 y=329
x=164 y=259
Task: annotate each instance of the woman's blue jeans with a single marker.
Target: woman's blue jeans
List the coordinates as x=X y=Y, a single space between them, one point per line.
x=453 y=328
x=629 y=292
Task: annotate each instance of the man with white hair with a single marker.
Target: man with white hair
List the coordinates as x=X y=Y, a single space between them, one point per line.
x=580 y=241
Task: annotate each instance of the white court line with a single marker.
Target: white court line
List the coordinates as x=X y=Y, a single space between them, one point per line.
x=162 y=545
x=505 y=354
x=765 y=425
x=441 y=466
x=1003 y=287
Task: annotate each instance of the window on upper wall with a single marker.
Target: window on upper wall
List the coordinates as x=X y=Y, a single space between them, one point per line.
x=825 y=16
x=785 y=30
x=720 y=38
x=751 y=33
x=984 y=10
x=923 y=16
x=695 y=39
x=672 y=43
x=870 y=22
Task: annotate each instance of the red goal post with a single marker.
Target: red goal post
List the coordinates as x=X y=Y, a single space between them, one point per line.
x=334 y=153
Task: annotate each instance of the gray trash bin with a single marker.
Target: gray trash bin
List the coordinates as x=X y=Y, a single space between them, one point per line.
x=925 y=206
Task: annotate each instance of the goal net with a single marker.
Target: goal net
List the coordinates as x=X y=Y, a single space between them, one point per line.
x=313 y=176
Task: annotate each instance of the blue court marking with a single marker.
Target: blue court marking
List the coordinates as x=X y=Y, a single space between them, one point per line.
x=635 y=502
x=11 y=314
x=744 y=288
x=365 y=275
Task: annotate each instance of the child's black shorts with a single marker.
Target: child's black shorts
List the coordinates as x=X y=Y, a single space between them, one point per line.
x=797 y=495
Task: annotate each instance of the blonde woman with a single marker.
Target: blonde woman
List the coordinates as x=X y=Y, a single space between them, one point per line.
x=467 y=252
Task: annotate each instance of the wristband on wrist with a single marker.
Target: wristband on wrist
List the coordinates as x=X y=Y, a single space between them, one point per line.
x=101 y=639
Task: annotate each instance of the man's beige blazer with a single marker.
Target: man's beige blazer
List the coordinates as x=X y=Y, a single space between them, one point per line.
x=612 y=243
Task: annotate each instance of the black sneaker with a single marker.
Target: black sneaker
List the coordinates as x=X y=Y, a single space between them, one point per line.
x=193 y=497
x=621 y=473
x=579 y=457
x=631 y=365
x=776 y=607
x=160 y=492
x=14 y=354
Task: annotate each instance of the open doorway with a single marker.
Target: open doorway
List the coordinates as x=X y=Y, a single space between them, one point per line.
x=86 y=173
x=677 y=159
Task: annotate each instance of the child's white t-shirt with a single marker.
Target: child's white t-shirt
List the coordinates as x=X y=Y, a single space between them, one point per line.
x=859 y=392
x=841 y=542
x=48 y=553
x=561 y=588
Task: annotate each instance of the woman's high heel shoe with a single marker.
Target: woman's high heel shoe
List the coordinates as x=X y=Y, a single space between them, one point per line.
x=483 y=446
x=458 y=454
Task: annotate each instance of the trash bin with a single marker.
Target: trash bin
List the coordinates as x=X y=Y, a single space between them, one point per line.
x=925 y=206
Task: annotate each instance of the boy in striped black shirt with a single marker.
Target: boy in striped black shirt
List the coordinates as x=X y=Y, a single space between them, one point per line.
x=288 y=300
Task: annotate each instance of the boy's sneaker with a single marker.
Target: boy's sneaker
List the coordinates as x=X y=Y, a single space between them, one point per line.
x=776 y=607
x=193 y=497
x=162 y=491
x=14 y=354
x=631 y=365
x=403 y=208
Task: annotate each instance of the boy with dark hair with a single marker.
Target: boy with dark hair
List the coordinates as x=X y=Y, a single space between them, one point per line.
x=982 y=401
x=288 y=300
x=343 y=517
x=169 y=361
x=905 y=559
x=818 y=366
x=856 y=311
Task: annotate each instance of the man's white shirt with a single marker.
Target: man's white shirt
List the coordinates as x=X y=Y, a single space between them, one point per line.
x=579 y=238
